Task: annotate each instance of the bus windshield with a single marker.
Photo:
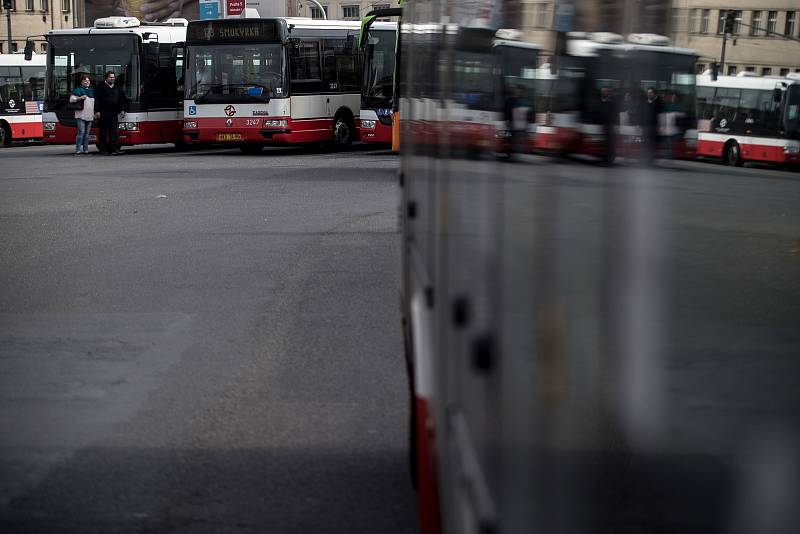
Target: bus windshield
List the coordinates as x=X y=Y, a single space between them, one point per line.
x=671 y=75
x=251 y=72
x=377 y=90
x=21 y=84
x=791 y=116
x=71 y=56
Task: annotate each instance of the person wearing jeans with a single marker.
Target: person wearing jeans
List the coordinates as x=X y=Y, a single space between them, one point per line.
x=83 y=117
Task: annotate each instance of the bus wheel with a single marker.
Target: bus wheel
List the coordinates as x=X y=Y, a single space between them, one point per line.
x=732 y=154
x=251 y=148
x=5 y=134
x=342 y=131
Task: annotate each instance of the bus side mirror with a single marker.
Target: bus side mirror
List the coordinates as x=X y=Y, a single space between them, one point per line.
x=29 y=46
x=777 y=94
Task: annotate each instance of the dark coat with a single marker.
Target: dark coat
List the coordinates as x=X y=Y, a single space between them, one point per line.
x=110 y=99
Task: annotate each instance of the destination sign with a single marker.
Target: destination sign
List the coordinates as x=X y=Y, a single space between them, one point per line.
x=234 y=30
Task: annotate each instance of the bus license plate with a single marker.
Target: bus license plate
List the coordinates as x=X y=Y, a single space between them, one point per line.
x=229 y=137
x=92 y=138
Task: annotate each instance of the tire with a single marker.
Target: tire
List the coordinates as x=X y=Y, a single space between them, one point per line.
x=732 y=154
x=5 y=135
x=251 y=149
x=343 y=131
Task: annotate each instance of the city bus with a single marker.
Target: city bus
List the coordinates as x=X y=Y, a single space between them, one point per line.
x=21 y=97
x=601 y=62
x=379 y=42
x=146 y=61
x=251 y=82
x=748 y=118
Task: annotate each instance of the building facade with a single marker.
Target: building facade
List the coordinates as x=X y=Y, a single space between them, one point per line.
x=33 y=17
x=766 y=38
x=340 y=9
x=539 y=18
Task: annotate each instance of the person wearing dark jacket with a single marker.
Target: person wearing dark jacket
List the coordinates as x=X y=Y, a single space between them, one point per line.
x=651 y=109
x=110 y=104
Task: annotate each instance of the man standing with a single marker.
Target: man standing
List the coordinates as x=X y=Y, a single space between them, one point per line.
x=110 y=104
x=651 y=109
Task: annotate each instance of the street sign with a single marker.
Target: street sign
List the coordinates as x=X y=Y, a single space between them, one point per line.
x=563 y=19
x=209 y=9
x=233 y=8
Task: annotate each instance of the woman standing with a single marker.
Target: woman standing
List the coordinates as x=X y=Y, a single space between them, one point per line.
x=83 y=117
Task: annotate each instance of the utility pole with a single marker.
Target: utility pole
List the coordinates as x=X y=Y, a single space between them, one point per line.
x=730 y=22
x=7 y=5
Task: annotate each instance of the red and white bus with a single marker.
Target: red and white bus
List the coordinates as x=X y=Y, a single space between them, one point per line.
x=379 y=43
x=749 y=118
x=253 y=82
x=147 y=65
x=603 y=63
x=21 y=96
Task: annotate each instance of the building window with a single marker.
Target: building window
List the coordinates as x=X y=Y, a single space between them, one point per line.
x=43 y=5
x=28 y=5
x=784 y=72
x=700 y=68
x=65 y=6
x=694 y=19
x=380 y=6
x=676 y=20
x=704 y=21
x=750 y=69
x=317 y=14
x=43 y=48
x=736 y=25
x=755 y=23
x=791 y=17
x=351 y=12
x=731 y=70
x=540 y=15
x=1 y=48
x=766 y=71
x=772 y=22
x=13 y=48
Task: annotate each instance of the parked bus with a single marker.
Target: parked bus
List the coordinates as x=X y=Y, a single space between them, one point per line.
x=379 y=42
x=146 y=62
x=21 y=96
x=602 y=80
x=253 y=82
x=748 y=118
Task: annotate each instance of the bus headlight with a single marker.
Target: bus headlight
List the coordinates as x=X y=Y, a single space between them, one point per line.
x=278 y=123
x=49 y=127
x=189 y=125
x=368 y=124
x=128 y=126
x=791 y=149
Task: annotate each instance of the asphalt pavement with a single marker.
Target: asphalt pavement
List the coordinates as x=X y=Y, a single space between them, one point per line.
x=201 y=342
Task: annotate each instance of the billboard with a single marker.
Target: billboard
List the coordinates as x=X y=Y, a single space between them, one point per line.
x=148 y=10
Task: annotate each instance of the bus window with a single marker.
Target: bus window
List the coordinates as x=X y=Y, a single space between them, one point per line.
x=726 y=105
x=305 y=68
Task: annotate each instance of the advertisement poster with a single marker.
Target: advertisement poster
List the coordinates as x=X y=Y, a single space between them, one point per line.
x=234 y=8
x=146 y=10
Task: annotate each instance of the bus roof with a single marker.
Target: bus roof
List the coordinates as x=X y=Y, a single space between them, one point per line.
x=167 y=33
x=517 y=44
x=18 y=60
x=744 y=82
x=305 y=22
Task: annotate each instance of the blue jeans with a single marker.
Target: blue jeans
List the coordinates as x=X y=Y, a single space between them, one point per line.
x=82 y=139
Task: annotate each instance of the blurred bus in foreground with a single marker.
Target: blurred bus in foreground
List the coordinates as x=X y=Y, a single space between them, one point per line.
x=591 y=349
x=21 y=96
x=749 y=118
x=146 y=63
